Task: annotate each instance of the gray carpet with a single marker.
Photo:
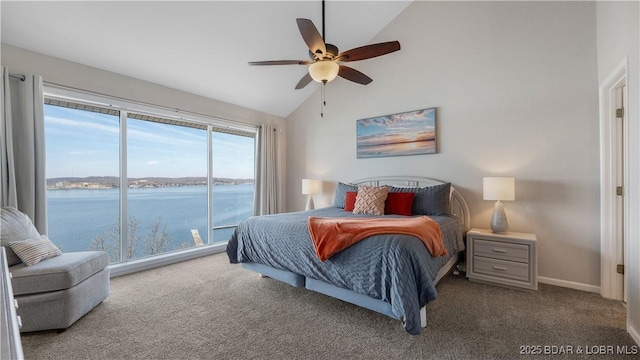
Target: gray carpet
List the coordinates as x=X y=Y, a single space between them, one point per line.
x=209 y=309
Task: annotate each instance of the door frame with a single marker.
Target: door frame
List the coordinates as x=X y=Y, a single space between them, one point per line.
x=610 y=246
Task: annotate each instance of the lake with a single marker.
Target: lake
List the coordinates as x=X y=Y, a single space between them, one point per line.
x=78 y=216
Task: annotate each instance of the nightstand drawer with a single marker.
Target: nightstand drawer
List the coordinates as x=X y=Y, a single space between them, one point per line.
x=501 y=250
x=500 y=268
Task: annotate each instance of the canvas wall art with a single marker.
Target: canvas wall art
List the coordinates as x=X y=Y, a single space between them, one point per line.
x=407 y=133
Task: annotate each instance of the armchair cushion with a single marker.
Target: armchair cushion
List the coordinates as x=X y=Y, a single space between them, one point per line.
x=57 y=273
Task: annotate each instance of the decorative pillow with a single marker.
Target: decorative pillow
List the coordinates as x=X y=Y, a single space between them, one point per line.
x=350 y=200
x=32 y=251
x=399 y=203
x=430 y=200
x=370 y=200
x=15 y=226
x=341 y=193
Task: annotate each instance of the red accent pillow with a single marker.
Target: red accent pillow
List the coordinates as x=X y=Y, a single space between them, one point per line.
x=350 y=200
x=398 y=203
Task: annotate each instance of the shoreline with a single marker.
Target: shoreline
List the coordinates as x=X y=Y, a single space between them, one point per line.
x=113 y=182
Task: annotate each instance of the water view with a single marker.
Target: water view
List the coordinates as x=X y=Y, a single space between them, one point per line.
x=166 y=163
x=160 y=219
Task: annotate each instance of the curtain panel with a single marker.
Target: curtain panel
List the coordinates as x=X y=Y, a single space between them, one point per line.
x=267 y=177
x=22 y=146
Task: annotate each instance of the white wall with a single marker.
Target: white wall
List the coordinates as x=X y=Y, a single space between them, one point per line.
x=618 y=37
x=516 y=89
x=62 y=72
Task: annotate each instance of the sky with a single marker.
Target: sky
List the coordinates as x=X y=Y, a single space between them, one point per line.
x=81 y=143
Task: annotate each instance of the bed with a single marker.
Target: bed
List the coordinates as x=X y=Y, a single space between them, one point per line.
x=392 y=274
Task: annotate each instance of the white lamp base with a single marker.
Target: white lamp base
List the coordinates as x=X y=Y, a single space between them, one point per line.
x=499 y=223
x=309 y=203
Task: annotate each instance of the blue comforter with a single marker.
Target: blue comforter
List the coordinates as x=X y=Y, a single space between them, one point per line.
x=397 y=269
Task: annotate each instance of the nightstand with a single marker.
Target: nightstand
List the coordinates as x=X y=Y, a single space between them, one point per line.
x=509 y=259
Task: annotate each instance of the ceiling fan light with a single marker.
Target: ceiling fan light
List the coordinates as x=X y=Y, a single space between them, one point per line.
x=324 y=71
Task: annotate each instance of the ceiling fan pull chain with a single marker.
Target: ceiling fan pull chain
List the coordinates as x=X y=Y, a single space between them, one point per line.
x=323 y=102
x=324 y=94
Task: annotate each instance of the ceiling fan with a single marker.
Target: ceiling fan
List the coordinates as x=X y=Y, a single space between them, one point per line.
x=325 y=63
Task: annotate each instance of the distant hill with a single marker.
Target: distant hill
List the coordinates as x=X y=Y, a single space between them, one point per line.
x=108 y=182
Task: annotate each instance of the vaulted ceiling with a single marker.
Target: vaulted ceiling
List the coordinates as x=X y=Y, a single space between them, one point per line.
x=200 y=47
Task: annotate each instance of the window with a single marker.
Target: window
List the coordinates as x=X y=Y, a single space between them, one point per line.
x=188 y=183
x=83 y=194
x=233 y=168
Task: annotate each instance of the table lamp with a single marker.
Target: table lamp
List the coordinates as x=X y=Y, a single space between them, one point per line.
x=311 y=187
x=499 y=189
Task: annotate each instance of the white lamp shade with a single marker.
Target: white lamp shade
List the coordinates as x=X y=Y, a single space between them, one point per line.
x=324 y=70
x=499 y=188
x=311 y=186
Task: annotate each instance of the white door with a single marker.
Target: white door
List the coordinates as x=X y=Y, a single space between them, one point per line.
x=614 y=175
x=623 y=104
x=620 y=172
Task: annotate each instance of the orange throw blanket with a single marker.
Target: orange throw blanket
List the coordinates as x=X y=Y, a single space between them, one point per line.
x=332 y=235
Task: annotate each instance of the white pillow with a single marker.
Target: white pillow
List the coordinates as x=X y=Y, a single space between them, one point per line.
x=32 y=251
x=15 y=226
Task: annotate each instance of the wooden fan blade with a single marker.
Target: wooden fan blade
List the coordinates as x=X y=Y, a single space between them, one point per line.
x=369 y=51
x=312 y=37
x=354 y=75
x=304 y=81
x=280 y=62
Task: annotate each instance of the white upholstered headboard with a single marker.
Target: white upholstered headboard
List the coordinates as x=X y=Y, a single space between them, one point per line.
x=458 y=205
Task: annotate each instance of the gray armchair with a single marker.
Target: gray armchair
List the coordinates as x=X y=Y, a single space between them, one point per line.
x=55 y=292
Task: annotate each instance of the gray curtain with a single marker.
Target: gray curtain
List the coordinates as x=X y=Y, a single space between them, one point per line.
x=23 y=151
x=267 y=177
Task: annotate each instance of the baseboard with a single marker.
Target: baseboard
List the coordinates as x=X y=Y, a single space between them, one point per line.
x=635 y=334
x=569 y=284
x=173 y=257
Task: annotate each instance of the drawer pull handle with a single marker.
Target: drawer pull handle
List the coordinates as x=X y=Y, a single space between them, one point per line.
x=499 y=250
x=499 y=268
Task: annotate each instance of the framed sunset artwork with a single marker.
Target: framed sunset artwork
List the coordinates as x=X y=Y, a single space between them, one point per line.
x=407 y=133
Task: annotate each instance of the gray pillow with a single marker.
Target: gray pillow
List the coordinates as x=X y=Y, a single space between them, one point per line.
x=15 y=226
x=430 y=200
x=341 y=194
